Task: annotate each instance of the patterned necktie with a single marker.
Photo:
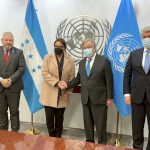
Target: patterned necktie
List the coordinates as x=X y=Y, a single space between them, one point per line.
x=147 y=61
x=88 y=69
x=6 y=56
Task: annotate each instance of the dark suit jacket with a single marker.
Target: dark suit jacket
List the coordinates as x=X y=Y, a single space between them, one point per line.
x=99 y=85
x=136 y=81
x=14 y=69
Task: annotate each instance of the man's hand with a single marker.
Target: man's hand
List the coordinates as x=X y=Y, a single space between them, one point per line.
x=6 y=83
x=127 y=100
x=109 y=102
x=62 y=85
x=10 y=81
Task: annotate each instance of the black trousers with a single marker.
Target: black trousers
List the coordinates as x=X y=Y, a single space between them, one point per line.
x=95 y=115
x=139 y=113
x=9 y=100
x=54 y=120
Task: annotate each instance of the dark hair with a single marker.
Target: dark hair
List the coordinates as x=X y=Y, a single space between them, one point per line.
x=62 y=41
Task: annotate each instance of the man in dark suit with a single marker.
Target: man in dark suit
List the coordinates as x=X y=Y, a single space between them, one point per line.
x=95 y=76
x=12 y=64
x=137 y=89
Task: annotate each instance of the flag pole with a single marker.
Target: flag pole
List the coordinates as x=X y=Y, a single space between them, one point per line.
x=117 y=142
x=33 y=130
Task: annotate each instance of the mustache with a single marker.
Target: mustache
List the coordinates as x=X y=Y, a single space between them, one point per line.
x=9 y=44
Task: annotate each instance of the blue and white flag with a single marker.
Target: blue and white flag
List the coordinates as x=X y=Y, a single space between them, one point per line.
x=34 y=49
x=124 y=38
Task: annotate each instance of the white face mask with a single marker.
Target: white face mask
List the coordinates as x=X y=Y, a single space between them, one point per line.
x=146 y=43
x=88 y=52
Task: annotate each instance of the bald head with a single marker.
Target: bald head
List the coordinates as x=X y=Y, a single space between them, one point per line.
x=7 y=40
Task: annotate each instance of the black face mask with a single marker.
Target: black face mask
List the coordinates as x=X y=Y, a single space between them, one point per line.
x=58 y=51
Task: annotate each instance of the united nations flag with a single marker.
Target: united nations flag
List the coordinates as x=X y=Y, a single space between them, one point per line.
x=124 y=38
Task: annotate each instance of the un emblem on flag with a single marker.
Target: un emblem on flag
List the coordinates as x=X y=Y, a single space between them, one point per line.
x=75 y=30
x=120 y=48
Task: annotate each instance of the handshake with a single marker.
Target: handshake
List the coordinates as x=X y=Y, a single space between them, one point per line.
x=62 y=85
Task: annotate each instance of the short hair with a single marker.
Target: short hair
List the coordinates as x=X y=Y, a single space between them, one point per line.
x=88 y=40
x=146 y=29
x=7 y=33
x=62 y=41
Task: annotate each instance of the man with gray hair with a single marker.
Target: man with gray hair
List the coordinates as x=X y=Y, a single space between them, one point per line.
x=95 y=76
x=12 y=65
x=137 y=89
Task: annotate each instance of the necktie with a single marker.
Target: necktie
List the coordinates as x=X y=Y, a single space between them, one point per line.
x=147 y=61
x=88 y=69
x=6 y=56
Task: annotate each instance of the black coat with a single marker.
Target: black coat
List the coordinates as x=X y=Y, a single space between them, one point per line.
x=99 y=85
x=136 y=81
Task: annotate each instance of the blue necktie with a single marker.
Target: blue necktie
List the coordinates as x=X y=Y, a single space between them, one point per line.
x=88 y=69
x=147 y=61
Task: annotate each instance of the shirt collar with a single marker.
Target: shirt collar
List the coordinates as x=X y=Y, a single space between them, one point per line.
x=92 y=57
x=5 y=50
x=145 y=49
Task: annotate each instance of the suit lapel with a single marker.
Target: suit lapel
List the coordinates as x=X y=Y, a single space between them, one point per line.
x=54 y=61
x=2 y=56
x=66 y=61
x=148 y=72
x=83 y=65
x=93 y=66
x=11 y=55
x=140 y=56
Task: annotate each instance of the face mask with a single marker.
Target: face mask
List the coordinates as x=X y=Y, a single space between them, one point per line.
x=88 y=52
x=58 y=51
x=146 y=42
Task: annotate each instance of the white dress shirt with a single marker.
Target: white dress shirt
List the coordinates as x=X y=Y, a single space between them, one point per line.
x=91 y=62
x=144 y=53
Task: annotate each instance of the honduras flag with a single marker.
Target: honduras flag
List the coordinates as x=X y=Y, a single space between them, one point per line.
x=34 y=49
x=124 y=38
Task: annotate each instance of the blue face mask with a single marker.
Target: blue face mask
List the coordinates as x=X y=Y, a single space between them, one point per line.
x=146 y=43
x=88 y=52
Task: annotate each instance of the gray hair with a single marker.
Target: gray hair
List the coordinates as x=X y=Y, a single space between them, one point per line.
x=89 y=40
x=146 y=29
x=7 y=33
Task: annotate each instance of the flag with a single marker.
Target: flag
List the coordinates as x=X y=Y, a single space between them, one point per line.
x=124 y=38
x=34 y=49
